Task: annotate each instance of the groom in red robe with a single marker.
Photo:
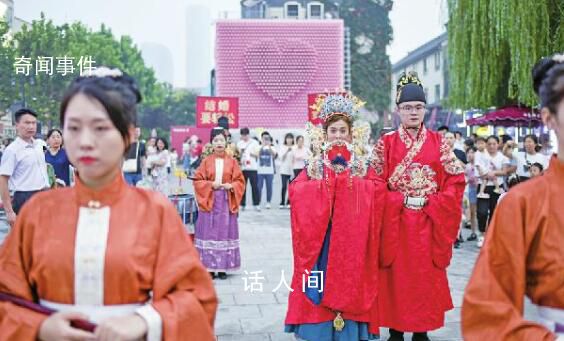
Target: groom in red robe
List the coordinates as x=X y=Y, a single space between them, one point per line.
x=421 y=218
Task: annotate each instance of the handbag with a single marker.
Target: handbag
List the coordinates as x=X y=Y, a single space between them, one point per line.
x=130 y=165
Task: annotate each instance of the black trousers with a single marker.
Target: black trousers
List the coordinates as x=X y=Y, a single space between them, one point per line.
x=20 y=198
x=285 y=180
x=251 y=177
x=297 y=172
x=486 y=208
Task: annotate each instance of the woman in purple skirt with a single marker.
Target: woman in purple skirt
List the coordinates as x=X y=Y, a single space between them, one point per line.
x=219 y=185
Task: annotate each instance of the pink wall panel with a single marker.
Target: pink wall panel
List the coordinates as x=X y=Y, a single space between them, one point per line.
x=271 y=65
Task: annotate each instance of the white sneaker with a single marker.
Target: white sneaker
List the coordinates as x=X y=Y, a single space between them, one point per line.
x=268 y=206
x=281 y=207
x=257 y=208
x=480 y=241
x=288 y=206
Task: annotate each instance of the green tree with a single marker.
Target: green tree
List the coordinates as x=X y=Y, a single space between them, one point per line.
x=493 y=44
x=7 y=80
x=371 y=33
x=44 y=39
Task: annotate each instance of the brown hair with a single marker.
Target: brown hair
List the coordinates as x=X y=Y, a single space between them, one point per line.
x=336 y=118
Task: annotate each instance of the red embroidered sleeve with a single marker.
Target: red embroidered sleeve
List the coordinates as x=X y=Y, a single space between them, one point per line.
x=377 y=157
x=451 y=163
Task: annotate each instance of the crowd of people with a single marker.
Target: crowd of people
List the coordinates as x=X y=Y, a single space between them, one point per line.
x=376 y=229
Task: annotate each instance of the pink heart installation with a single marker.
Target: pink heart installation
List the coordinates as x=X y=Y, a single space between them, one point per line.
x=282 y=68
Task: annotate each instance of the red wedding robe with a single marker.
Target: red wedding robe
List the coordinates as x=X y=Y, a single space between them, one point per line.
x=416 y=245
x=351 y=282
x=148 y=251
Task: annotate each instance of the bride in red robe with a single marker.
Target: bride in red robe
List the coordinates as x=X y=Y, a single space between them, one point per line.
x=335 y=232
x=102 y=251
x=425 y=184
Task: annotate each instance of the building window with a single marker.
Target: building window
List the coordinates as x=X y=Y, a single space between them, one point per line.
x=438 y=60
x=437 y=93
x=315 y=10
x=292 y=10
x=426 y=90
x=425 y=65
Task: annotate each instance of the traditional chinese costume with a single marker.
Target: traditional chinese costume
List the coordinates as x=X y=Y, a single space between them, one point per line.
x=416 y=243
x=217 y=231
x=115 y=251
x=335 y=234
x=523 y=255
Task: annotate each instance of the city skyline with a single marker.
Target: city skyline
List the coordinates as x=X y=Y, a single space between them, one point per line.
x=171 y=26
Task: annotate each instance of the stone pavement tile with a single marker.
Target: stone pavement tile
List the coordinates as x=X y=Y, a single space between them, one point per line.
x=244 y=337
x=450 y=331
x=235 y=312
x=262 y=325
x=274 y=311
x=282 y=337
x=230 y=289
x=225 y=325
x=255 y=298
x=453 y=315
x=227 y=299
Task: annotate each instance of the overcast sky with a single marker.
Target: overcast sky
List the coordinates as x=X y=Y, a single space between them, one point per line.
x=164 y=21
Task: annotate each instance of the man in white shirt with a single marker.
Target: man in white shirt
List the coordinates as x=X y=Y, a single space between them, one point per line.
x=23 y=167
x=249 y=151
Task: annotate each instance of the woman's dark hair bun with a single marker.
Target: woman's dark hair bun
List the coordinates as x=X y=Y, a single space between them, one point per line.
x=540 y=71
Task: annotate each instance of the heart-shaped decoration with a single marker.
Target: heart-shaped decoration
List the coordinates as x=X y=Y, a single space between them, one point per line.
x=282 y=68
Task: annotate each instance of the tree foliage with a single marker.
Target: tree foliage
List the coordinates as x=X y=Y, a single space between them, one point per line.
x=43 y=92
x=493 y=44
x=7 y=88
x=370 y=33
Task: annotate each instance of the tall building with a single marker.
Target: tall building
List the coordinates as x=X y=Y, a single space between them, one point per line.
x=159 y=58
x=298 y=10
x=198 y=47
x=7 y=11
x=430 y=61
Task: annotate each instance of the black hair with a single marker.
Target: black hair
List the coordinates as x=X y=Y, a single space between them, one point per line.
x=548 y=82
x=469 y=143
x=443 y=128
x=471 y=148
x=264 y=133
x=506 y=138
x=288 y=136
x=244 y=131
x=532 y=137
x=493 y=137
x=119 y=95
x=51 y=131
x=164 y=142
x=538 y=165
x=298 y=137
x=457 y=132
x=480 y=138
x=217 y=131
x=24 y=111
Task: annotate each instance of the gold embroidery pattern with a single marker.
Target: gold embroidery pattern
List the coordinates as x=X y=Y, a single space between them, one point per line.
x=449 y=161
x=408 y=159
x=404 y=136
x=377 y=157
x=418 y=181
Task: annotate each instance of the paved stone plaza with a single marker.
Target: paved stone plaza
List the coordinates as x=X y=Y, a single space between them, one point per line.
x=258 y=313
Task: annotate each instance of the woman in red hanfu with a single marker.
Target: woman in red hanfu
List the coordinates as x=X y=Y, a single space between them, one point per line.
x=425 y=183
x=335 y=231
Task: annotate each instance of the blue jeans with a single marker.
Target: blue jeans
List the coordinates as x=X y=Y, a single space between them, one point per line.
x=268 y=178
x=132 y=178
